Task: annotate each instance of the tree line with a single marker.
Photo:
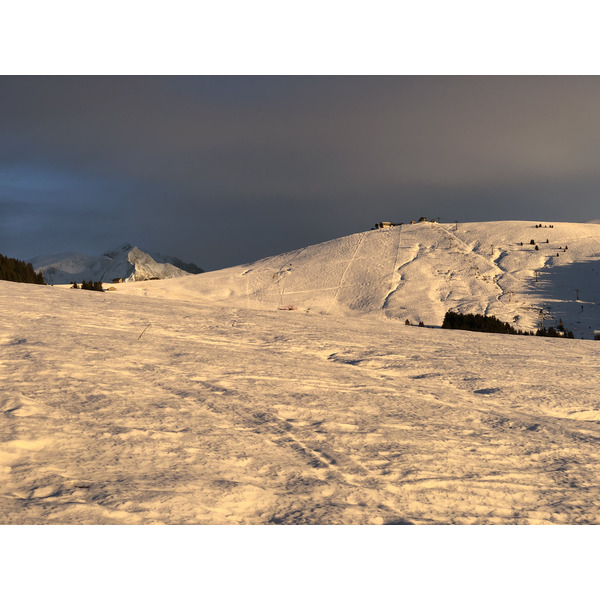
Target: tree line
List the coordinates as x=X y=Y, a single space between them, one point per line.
x=13 y=269
x=490 y=324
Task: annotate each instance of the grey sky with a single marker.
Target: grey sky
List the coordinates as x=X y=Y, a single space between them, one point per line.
x=225 y=170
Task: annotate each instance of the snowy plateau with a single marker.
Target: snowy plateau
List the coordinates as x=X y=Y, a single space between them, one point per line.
x=197 y=400
x=127 y=262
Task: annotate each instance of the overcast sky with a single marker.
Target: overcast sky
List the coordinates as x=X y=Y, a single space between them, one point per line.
x=226 y=170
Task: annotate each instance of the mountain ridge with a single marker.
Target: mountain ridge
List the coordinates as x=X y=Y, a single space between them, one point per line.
x=126 y=262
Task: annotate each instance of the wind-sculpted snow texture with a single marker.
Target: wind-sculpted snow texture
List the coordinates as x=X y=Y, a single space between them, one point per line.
x=218 y=413
x=418 y=272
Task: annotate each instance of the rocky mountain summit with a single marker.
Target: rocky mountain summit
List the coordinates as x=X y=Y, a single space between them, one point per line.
x=126 y=262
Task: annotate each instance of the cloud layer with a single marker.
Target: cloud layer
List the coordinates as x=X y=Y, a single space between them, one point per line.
x=224 y=170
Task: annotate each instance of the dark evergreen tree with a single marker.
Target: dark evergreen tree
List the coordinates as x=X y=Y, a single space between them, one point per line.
x=551 y=332
x=95 y=286
x=471 y=322
x=13 y=269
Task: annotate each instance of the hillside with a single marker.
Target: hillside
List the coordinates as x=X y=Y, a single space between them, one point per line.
x=126 y=262
x=194 y=400
x=418 y=272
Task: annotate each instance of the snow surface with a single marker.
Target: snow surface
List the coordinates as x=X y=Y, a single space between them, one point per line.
x=126 y=262
x=195 y=400
x=420 y=271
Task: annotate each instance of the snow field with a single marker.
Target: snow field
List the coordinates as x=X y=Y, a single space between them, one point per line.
x=222 y=413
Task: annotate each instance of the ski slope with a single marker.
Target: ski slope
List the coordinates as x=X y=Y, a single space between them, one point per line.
x=176 y=403
x=418 y=272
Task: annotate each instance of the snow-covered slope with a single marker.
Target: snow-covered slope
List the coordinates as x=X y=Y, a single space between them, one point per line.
x=418 y=272
x=123 y=409
x=126 y=262
x=194 y=400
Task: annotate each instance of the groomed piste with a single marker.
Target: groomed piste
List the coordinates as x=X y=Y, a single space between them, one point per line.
x=420 y=271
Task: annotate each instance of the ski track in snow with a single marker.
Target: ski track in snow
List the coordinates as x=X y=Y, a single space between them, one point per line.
x=226 y=414
x=434 y=269
x=341 y=283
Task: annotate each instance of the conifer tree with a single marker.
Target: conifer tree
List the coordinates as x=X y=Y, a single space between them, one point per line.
x=13 y=269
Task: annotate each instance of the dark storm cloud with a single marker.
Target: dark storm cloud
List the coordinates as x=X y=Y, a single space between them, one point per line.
x=223 y=170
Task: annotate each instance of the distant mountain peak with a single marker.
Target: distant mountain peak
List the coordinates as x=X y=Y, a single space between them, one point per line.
x=120 y=250
x=127 y=262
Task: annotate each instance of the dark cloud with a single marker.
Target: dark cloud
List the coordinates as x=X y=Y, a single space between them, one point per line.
x=224 y=170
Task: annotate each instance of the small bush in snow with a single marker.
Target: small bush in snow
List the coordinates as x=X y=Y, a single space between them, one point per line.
x=95 y=286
